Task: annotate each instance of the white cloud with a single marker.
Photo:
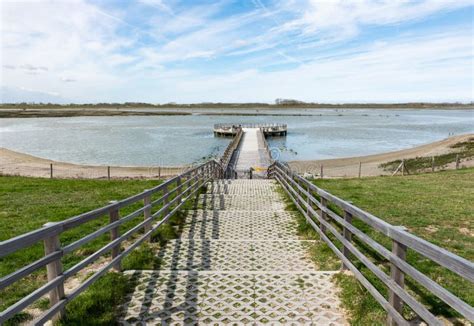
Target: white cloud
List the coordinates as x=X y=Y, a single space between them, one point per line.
x=49 y=39
x=158 y=4
x=84 y=52
x=433 y=69
x=343 y=19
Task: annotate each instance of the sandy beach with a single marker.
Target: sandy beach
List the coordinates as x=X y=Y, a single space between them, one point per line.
x=15 y=163
x=349 y=167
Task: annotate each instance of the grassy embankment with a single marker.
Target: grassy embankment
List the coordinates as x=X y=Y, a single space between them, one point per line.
x=27 y=203
x=437 y=207
x=463 y=150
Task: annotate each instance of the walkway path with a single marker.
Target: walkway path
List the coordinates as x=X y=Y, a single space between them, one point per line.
x=238 y=261
x=252 y=153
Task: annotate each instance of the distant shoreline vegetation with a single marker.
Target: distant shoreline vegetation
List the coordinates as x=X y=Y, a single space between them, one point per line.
x=44 y=110
x=279 y=103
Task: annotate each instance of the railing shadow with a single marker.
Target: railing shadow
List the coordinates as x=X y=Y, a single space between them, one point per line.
x=190 y=254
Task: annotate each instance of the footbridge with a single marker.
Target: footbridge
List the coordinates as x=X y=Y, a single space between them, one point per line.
x=237 y=257
x=249 y=155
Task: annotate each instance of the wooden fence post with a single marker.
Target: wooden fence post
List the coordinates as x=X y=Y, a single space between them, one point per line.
x=323 y=214
x=348 y=236
x=308 y=201
x=403 y=167
x=457 y=161
x=159 y=172
x=147 y=214
x=165 y=200
x=54 y=269
x=108 y=173
x=178 y=186
x=432 y=164
x=398 y=277
x=360 y=169
x=51 y=170
x=114 y=234
x=322 y=171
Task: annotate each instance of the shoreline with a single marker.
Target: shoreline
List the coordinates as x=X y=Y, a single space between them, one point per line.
x=349 y=166
x=60 y=112
x=22 y=164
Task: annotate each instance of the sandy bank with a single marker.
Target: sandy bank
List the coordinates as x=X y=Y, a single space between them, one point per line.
x=15 y=163
x=39 y=111
x=349 y=167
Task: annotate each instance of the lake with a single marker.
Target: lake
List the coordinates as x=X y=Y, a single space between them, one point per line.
x=178 y=140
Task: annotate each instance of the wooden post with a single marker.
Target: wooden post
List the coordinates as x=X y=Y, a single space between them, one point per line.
x=178 y=186
x=54 y=269
x=165 y=200
x=51 y=170
x=360 y=169
x=432 y=164
x=398 y=277
x=348 y=236
x=322 y=171
x=323 y=214
x=308 y=201
x=159 y=172
x=403 y=167
x=108 y=173
x=147 y=214
x=114 y=234
x=457 y=161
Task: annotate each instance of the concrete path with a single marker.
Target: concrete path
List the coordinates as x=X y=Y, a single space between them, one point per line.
x=239 y=261
x=252 y=154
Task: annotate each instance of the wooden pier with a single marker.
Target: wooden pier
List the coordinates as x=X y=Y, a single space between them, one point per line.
x=268 y=129
x=253 y=156
x=250 y=156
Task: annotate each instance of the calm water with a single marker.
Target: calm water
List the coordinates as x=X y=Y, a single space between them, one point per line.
x=175 y=140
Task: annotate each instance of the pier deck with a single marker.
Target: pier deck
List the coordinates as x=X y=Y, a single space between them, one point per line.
x=252 y=154
x=268 y=129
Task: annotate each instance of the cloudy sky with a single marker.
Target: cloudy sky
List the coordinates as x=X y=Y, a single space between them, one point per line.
x=236 y=51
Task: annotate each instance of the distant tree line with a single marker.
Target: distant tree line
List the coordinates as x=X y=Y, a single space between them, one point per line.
x=280 y=102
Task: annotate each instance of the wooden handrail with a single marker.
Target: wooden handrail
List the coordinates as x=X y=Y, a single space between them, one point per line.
x=250 y=125
x=182 y=187
x=323 y=219
x=229 y=152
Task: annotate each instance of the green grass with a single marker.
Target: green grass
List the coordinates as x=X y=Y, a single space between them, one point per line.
x=363 y=308
x=465 y=150
x=320 y=253
x=436 y=207
x=27 y=203
x=99 y=305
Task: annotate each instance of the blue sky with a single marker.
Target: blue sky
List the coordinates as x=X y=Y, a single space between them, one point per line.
x=163 y=51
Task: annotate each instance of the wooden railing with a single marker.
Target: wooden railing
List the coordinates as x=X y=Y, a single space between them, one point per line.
x=265 y=145
x=313 y=203
x=250 y=125
x=172 y=195
x=228 y=171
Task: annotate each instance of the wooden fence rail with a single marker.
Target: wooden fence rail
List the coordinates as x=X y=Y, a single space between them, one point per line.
x=313 y=203
x=172 y=196
x=228 y=171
